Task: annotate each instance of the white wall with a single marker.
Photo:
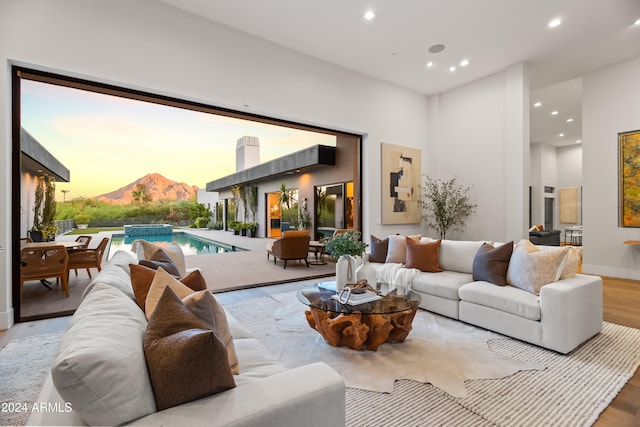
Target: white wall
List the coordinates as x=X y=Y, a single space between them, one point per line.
x=150 y=46
x=611 y=104
x=479 y=135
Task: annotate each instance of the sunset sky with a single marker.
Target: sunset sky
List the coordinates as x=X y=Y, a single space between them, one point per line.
x=108 y=142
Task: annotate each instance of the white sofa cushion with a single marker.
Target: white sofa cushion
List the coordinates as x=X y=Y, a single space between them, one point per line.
x=458 y=255
x=504 y=298
x=444 y=284
x=100 y=367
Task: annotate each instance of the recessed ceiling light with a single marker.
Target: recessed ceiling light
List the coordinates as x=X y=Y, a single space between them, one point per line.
x=561 y=135
x=452 y=69
x=430 y=64
x=369 y=15
x=569 y=120
x=637 y=22
x=578 y=141
x=554 y=113
x=436 y=48
x=537 y=104
x=464 y=62
x=554 y=23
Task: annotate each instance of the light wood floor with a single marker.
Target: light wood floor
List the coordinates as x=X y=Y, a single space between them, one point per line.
x=621 y=306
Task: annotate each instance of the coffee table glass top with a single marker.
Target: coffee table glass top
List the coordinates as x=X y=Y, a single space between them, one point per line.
x=321 y=296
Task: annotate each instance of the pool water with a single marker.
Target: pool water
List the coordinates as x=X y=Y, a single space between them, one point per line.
x=189 y=243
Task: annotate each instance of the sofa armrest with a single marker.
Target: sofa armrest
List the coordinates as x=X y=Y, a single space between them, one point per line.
x=571 y=311
x=311 y=395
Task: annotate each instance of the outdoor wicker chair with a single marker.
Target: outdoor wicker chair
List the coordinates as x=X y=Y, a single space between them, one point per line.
x=44 y=263
x=88 y=258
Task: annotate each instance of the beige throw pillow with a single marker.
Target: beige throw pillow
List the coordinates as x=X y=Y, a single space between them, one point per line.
x=145 y=250
x=530 y=269
x=161 y=280
x=204 y=305
x=397 y=251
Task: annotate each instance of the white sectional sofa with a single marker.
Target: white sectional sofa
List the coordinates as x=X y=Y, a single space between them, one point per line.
x=565 y=314
x=101 y=368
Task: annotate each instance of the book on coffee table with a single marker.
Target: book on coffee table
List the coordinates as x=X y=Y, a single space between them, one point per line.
x=355 y=299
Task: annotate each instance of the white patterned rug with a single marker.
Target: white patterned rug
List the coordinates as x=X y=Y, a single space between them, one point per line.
x=538 y=386
x=24 y=365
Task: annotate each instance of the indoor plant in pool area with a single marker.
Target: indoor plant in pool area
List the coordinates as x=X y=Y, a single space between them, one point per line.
x=347 y=249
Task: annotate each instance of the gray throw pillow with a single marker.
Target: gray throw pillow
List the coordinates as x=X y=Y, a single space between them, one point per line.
x=490 y=264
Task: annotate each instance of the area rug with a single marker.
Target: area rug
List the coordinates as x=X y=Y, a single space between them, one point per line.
x=24 y=365
x=545 y=388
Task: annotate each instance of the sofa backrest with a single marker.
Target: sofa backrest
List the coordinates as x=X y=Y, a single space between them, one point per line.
x=458 y=255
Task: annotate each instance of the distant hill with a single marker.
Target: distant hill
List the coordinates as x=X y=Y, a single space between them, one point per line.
x=159 y=187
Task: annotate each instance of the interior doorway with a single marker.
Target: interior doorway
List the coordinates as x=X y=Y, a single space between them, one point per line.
x=549 y=203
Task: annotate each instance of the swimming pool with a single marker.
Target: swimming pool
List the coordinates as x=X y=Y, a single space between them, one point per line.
x=190 y=244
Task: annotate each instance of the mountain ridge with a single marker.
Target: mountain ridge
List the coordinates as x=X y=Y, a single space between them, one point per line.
x=157 y=186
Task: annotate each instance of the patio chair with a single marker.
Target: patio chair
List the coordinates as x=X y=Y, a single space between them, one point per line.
x=85 y=240
x=44 y=263
x=293 y=245
x=88 y=258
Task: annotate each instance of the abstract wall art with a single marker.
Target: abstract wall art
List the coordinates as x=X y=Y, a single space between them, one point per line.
x=629 y=172
x=401 y=175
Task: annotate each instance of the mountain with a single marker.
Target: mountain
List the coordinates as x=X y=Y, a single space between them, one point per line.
x=159 y=187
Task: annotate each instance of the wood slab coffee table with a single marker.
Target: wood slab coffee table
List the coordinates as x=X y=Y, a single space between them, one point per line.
x=359 y=327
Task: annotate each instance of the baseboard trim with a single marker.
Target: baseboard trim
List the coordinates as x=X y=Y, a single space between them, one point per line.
x=601 y=270
x=6 y=319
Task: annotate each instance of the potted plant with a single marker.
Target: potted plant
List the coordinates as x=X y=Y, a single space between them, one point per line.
x=82 y=220
x=445 y=205
x=347 y=249
x=244 y=226
x=253 y=228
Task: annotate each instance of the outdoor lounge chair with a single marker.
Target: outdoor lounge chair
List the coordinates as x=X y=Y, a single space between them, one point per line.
x=293 y=244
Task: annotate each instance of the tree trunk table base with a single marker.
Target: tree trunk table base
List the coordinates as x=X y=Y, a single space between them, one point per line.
x=360 y=331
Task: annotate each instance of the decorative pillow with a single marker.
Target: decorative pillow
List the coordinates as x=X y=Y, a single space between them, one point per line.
x=142 y=277
x=573 y=261
x=162 y=280
x=145 y=250
x=423 y=256
x=530 y=268
x=185 y=359
x=100 y=366
x=379 y=249
x=397 y=252
x=207 y=308
x=161 y=259
x=490 y=264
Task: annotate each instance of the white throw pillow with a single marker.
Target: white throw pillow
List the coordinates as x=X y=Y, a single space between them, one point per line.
x=530 y=268
x=100 y=368
x=145 y=250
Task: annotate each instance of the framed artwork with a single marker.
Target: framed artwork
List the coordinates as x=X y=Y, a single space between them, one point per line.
x=401 y=178
x=629 y=173
x=568 y=206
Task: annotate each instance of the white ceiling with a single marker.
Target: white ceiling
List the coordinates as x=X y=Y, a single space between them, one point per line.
x=490 y=34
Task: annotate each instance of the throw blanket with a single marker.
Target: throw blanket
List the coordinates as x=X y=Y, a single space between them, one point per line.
x=396 y=275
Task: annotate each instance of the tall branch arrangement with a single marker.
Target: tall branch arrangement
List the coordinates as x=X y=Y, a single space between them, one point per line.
x=445 y=205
